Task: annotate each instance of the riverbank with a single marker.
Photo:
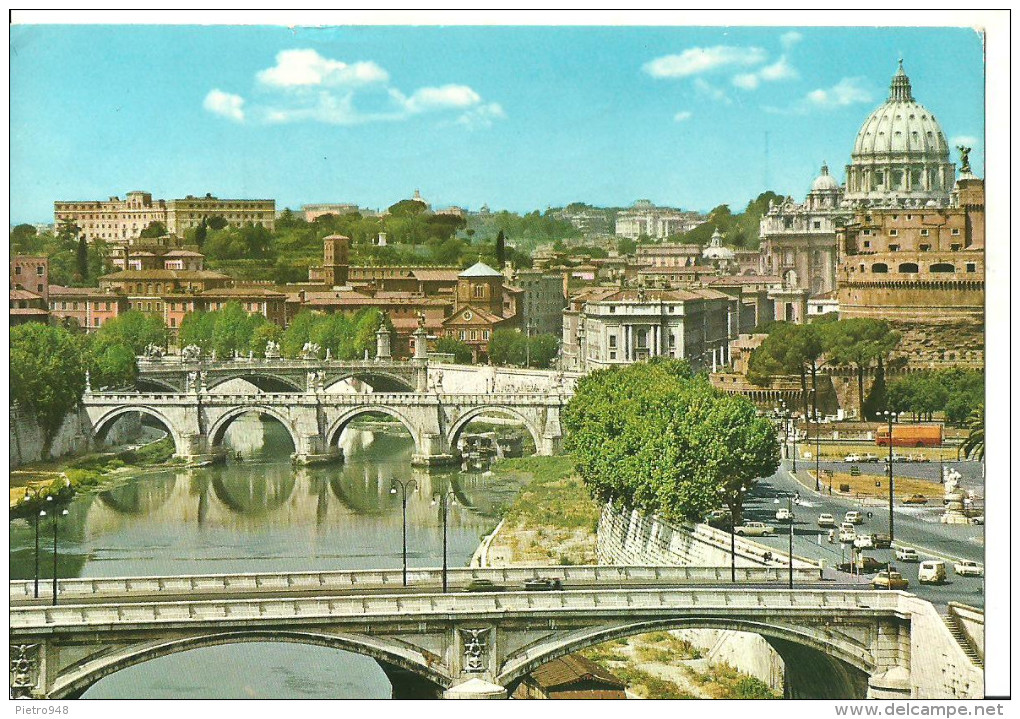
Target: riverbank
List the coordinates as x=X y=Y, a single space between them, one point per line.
x=554 y=522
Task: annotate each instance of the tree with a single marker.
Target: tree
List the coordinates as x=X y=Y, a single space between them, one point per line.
x=200 y=233
x=232 y=330
x=111 y=365
x=153 y=229
x=460 y=350
x=47 y=371
x=859 y=342
x=500 y=250
x=408 y=208
x=543 y=349
x=136 y=330
x=974 y=445
x=216 y=222
x=508 y=347
x=298 y=333
x=626 y=246
x=197 y=329
x=262 y=335
x=83 y=258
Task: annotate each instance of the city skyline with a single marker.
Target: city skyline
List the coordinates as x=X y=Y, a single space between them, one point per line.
x=520 y=118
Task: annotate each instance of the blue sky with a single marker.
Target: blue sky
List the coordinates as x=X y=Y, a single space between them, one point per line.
x=517 y=117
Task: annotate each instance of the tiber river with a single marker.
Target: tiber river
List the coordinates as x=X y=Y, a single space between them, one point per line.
x=263 y=515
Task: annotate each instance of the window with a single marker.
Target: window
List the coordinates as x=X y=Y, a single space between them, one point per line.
x=971 y=267
x=39 y=270
x=894 y=233
x=816 y=224
x=908 y=267
x=867 y=244
x=478 y=291
x=956 y=232
x=612 y=309
x=924 y=233
x=38 y=288
x=954 y=247
x=925 y=248
x=612 y=354
x=942 y=267
x=867 y=233
x=485 y=334
x=463 y=335
x=894 y=248
x=612 y=341
x=474 y=335
x=173 y=321
x=880 y=268
x=896 y=217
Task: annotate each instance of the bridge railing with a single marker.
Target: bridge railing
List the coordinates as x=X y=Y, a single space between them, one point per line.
x=113 y=618
x=224 y=584
x=338 y=399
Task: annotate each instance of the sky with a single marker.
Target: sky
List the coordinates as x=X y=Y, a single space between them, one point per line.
x=519 y=118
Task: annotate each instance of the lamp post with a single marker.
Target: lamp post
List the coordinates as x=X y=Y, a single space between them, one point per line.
x=40 y=513
x=403 y=509
x=890 y=416
x=734 y=495
x=445 y=499
x=789 y=508
x=527 y=346
x=818 y=449
x=56 y=516
x=793 y=424
x=780 y=413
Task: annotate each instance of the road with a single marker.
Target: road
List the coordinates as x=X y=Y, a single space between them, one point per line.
x=914 y=526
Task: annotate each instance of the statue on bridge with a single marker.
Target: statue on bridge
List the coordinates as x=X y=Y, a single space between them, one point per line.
x=329 y=354
x=272 y=350
x=191 y=353
x=310 y=351
x=191 y=383
x=153 y=353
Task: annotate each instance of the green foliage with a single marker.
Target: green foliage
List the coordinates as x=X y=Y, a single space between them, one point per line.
x=136 y=330
x=451 y=345
x=752 y=688
x=197 y=329
x=64 y=251
x=201 y=233
x=543 y=349
x=974 y=446
x=741 y=230
x=248 y=241
x=262 y=334
x=508 y=347
x=346 y=336
x=110 y=364
x=653 y=437
x=626 y=246
x=153 y=229
x=955 y=392
x=47 y=372
x=216 y=222
x=408 y=208
x=82 y=258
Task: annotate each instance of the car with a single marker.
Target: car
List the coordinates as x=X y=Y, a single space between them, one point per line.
x=855 y=516
x=907 y=554
x=863 y=565
x=870 y=458
x=483 y=585
x=967 y=568
x=719 y=518
x=847 y=535
x=977 y=519
x=754 y=529
x=881 y=541
x=542 y=584
x=931 y=571
x=826 y=520
x=895 y=458
x=852 y=458
x=864 y=541
x=889 y=579
x=916 y=499
x=784 y=515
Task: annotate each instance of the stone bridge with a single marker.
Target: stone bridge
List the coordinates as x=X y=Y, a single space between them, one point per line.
x=836 y=643
x=197 y=420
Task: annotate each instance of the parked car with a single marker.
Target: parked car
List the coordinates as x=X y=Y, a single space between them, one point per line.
x=784 y=515
x=826 y=520
x=907 y=554
x=931 y=571
x=895 y=458
x=916 y=499
x=542 y=584
x=977 y=519
x=864 y=541
x=889 y=579
x=967 y=568
x=881 y=541
x=863 y=565
x=855 y=516
x=872 y=458
x=720 y=519
x=483 y=585
x=852 y=458
x=754 y=529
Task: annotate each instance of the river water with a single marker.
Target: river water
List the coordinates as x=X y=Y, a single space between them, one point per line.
x=263 y=515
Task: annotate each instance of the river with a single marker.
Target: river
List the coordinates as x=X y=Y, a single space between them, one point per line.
x=261 y=514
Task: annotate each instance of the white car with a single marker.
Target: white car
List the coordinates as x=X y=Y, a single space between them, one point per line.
x=854 y=516
x=754 y=529
x=967 y=568
x=864 y=541
x=852 y=458
x=847 y=535
x=784 y=515
x=907 y=554
x=826 y=520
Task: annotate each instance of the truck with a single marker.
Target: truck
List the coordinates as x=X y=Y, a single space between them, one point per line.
x=910 y=435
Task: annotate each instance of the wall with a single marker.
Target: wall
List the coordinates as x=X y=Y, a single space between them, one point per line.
x=972 y=622
x=73 y=437
x=480 y=378
x=749 y=653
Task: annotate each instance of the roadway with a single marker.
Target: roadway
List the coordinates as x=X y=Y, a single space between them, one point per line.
x=916 y=526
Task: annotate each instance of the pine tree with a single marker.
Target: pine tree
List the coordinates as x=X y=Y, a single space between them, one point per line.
x=500 y=250
x=83 y=258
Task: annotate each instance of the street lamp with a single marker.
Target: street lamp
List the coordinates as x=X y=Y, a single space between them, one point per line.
x=403 y=507
x=782 y=412
x=527 y=346
x=734 y=496
x=56 y=516
x=818 y=449
x=793 y=424
x=41 y=513
x=789 y=508
x=890 y=417
x=443 y=499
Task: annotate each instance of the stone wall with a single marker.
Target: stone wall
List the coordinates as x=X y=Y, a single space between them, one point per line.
x=750 y=653
x=73 y=437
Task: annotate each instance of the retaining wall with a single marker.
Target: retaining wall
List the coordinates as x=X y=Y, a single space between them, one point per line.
x=73 y=437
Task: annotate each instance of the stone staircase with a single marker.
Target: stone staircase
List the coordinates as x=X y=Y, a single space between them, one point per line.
x=961 y=638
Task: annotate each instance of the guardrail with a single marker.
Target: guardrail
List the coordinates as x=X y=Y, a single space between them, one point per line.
x=403 y=398
x=69 y=589
x=400 y=608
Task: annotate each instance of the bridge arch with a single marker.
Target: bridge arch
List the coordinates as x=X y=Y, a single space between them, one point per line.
x=475 y=412
x=391 y=382
x=265 y=381
x=101 y=425
x=74 y=683
x=847 y=655
x=219 y=427
x=144 y=382
x=340 y=424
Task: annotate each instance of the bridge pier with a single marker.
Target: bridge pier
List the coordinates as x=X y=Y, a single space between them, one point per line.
x=334 y=454
x=476 y=689
x=408 y=685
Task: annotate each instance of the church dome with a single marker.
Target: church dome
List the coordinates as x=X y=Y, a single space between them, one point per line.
x=824 y=182
x=900 y=153
x=715 y=249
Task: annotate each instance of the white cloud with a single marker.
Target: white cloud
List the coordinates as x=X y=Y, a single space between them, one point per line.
x=781 y=69
x=847 y=91
x=746 y=80
x=307 y=68
x=682 y=115
x=440 y=98
x=789 y=39
x=711 y=91
x=965 y=140
x=481 y=116
x=225 y=104
x=696 y=60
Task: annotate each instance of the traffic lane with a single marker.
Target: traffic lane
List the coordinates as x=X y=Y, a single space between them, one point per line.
x=914 y=525
x=970 y=472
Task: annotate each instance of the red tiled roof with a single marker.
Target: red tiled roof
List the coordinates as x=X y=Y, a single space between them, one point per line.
x=61 y=291
x=572 y=669
x=24 y=295
x=27 y=311
x=243 y=292
x=427 y=275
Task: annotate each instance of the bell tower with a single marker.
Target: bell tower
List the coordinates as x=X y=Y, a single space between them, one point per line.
x=335 y=262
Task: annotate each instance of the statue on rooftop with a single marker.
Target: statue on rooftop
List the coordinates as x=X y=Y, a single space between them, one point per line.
x=964 y=159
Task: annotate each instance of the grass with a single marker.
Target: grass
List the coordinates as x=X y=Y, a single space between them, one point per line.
x=864 y=485
x=555 y=497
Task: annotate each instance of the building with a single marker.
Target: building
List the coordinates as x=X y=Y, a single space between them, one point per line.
x=660 y=223
x=335 y=260
x=723 y=259
x=85 y=307
x=27 y=307
x=188 y=213
x=571 y=677
x=625 y=326
x=31 y=274
x=114 y=221
x=823 y=304
x=542 y=301
x=313 y=212
x=667 y=255
x=482 y=305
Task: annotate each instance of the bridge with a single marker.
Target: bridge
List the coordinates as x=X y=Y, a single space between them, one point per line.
x=197 y=420
x=836 y=642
